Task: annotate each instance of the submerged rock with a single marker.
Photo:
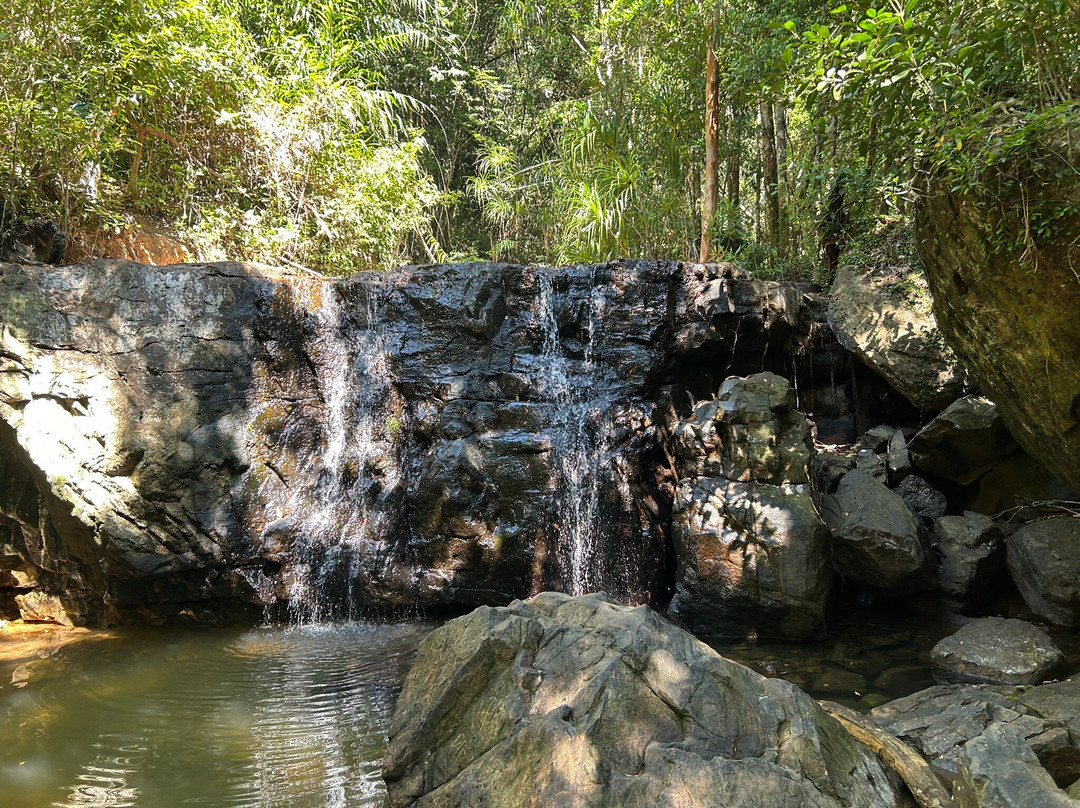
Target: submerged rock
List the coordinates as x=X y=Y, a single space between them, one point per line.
x=876 y=538
x=1043 y=560
x=997 y=651
x=581 y=702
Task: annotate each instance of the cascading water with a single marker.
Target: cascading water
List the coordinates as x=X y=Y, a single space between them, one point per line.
x=338 y=517
x=581 y=441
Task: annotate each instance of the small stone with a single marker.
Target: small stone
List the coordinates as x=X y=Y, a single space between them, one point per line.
x=898 y=458
x=876 y=439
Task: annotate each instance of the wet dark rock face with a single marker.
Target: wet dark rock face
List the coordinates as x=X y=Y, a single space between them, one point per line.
x=203 y=441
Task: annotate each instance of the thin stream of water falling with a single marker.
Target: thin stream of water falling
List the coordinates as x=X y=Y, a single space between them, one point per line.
x=358 y=462
x=580 y=441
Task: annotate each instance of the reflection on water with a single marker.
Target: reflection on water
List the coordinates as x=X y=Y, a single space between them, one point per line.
x=872 y=654
x=265 y=717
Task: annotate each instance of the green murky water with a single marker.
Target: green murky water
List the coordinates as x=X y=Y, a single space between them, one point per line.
x=296 y=717
x=269 y=717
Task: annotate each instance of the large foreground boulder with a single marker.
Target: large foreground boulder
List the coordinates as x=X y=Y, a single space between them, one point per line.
x=580 y=702
x=899 y=340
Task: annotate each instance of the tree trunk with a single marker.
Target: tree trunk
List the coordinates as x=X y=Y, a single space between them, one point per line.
x=136 y=164
x=712 y=148
x=693 y=192
x=783 y=184
x=769 y=168
x=734 y=180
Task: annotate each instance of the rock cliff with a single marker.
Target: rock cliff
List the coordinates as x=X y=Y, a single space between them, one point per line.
x=199 y=441
x=1006 y=293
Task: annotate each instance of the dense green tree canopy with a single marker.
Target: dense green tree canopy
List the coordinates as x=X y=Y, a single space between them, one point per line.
x=355 y=134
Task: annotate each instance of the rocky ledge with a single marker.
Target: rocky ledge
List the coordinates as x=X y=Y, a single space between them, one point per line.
x=209 y=441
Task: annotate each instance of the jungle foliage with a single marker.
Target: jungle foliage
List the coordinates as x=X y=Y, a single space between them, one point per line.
x=355 y=134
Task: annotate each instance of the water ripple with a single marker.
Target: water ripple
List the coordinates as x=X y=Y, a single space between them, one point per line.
x=266 y=718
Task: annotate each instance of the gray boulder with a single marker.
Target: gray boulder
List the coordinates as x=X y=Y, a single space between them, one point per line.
x=939 y=720
x=580 y=702
x=752 y=553
x=750 y=431
x=972 y=556
x=997 y=651
x=925 y=500
x=963 y=442
x=873 y=464
x=751 y=556
x=898 y=340
x=1043 y=560
x=999 y=770
x=1060 y=702
x=876 y=538
x=828 y=470
x=898 y=458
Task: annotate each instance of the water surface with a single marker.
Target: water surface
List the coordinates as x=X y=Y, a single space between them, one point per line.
x=275 y=716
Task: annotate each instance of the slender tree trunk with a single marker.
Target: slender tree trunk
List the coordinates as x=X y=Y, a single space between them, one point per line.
x=136 y=164
x=783 y=183
x=834 y=217
x=769 y=168
x=693 y=192
x=734 y=180
x=871 y=144
x=711 y=196
x=759 y=234
x=834 y=143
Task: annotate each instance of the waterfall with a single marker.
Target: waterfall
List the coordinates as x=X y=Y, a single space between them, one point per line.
x=581 y=441
x=338 y=517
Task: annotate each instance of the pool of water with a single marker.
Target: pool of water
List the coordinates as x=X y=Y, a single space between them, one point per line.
x=267 y=717
x=296 y=717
